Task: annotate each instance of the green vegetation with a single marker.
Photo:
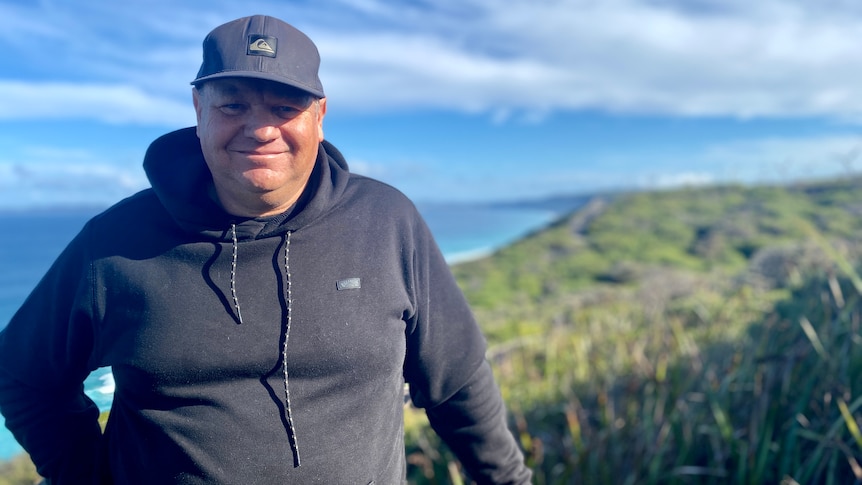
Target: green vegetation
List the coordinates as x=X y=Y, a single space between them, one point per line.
x=705 y=335
x=18 y=471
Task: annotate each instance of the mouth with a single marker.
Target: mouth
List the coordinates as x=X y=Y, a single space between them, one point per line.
x=259 y=154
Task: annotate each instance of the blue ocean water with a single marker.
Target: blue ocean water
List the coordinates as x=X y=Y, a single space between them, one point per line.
x=33 y=239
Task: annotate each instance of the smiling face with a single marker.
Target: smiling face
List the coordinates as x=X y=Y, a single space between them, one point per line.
x=260 y=142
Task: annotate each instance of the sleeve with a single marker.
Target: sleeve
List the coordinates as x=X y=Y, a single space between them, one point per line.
x=44 y=358
x=473 y=425
x=450 y=377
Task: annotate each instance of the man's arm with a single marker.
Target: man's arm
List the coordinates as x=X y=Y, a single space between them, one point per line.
x=473 y=425
x=44 y=353
x=450 y=377
x=62 y=435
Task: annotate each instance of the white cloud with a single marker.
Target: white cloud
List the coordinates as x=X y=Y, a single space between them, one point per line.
x=112 y=104
x=738 y=59
x=784 y=159
x=522 y=59
x=681 y=179
x=75 y=177
x=81 y=183
x=368 y=169
x=761 y=160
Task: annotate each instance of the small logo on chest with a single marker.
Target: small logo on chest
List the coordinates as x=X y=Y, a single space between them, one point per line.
x=348 y=284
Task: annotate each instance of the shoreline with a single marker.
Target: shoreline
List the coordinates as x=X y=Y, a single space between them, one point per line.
x=472 y=255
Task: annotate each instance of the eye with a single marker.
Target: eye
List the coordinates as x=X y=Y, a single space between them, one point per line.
x=286 y=111
x=232 y=109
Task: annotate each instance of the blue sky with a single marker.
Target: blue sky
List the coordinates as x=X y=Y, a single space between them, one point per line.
x=455 y=99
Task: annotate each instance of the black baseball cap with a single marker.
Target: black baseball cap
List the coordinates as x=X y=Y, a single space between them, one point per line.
x=261 y=47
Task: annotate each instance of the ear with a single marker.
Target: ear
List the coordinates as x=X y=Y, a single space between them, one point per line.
x=321 y=112
x=196 y=101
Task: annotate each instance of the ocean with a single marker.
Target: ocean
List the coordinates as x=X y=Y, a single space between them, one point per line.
x=33 y=239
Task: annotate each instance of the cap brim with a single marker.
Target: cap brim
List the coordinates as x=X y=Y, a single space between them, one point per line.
x=260 y=75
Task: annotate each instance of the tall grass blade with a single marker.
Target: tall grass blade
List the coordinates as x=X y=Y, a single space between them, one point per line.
x=813 y=337
x=852 y=426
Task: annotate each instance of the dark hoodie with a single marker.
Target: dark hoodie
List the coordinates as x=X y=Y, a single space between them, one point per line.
x=266 y=351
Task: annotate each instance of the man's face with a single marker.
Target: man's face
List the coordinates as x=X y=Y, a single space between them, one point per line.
x=260 y=141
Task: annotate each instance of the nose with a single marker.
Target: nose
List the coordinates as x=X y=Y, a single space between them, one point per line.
x=261 y=127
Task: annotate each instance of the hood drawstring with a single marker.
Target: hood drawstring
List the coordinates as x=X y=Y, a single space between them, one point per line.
x=294 y=444
x=291 y=431
x=233 y=273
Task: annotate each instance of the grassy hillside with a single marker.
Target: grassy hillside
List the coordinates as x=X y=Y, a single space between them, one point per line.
x=704 y=335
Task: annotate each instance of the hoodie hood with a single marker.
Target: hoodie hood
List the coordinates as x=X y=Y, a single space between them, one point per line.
x=180 y=178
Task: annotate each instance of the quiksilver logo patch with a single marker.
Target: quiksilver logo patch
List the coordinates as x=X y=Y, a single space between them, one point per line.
x=262 y=45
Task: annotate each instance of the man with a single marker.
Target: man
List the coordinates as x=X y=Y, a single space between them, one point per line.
x=260 y=306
